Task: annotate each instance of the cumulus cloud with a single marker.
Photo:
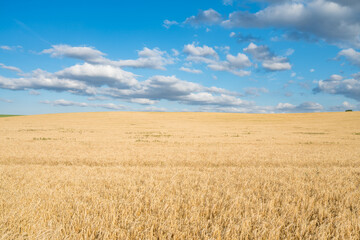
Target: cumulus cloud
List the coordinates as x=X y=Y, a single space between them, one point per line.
x=109 y=81
x=344 y=106
x=87 y=54
x=205 y=54
x=98 y=75
x=351 y=55
x=336 y=84
x=269 y=60
x=337 y=22
x=232 y=64
x=303 y=107
x=39 y=79
x=198 y=51
x=173 y=89
x=189 y=70
x=148 y=58
x=11 y=68
x=207 y=17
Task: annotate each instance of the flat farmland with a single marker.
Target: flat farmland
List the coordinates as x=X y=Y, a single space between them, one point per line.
x=137 y=175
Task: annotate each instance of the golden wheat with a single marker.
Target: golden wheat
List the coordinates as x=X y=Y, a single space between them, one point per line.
x=128 y=175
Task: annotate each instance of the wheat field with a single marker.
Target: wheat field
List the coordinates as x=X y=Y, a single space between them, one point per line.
x=133 y=175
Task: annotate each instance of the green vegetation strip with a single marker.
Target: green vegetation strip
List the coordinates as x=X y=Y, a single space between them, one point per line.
x=4 y=115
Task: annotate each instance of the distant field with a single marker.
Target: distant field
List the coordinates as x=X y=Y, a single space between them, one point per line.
x=128 y=175
x=5 y=115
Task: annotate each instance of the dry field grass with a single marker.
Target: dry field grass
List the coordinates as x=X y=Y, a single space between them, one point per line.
x=118 y=175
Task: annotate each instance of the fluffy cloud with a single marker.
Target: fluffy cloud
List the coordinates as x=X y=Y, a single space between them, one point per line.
x=173 y=89
x=233 y=64
x=205 y=54
x=39 y=79
x=99 y=75
x=344 y=106
x=201 y=52
x=303 y=107
x=351 y=55
x=189 y=70
x=269 y=60
x=148 y=58
x=87 y=54
x=206 y=17
x=336 y=84
x=337 y=22
x=11 y=68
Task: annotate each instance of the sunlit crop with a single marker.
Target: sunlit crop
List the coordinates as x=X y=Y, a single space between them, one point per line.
x=180 y=176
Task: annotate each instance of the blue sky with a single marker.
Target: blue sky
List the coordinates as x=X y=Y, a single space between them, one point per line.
x=255 y=56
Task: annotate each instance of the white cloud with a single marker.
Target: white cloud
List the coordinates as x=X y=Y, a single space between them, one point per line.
x=87 y=54
x=198 y=51
x=39 y=79
x=269 y=60
x=10 y=48
x=11 y=68
x=206 y=17
x=303 y=107
x=336 y=84
x=66 y=103
x=337 y=22
x=344 y=106
x=99 y=75
x=148 y=58
x=189 y=70
x=167 y=23
x=205 y=54
x=351 y=55
x=143 y=101
x=175 y=52
x=312 y=70
x=232 y=34
x=233 y=64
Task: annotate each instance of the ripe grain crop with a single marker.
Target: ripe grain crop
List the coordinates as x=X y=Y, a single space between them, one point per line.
x=129 y=175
